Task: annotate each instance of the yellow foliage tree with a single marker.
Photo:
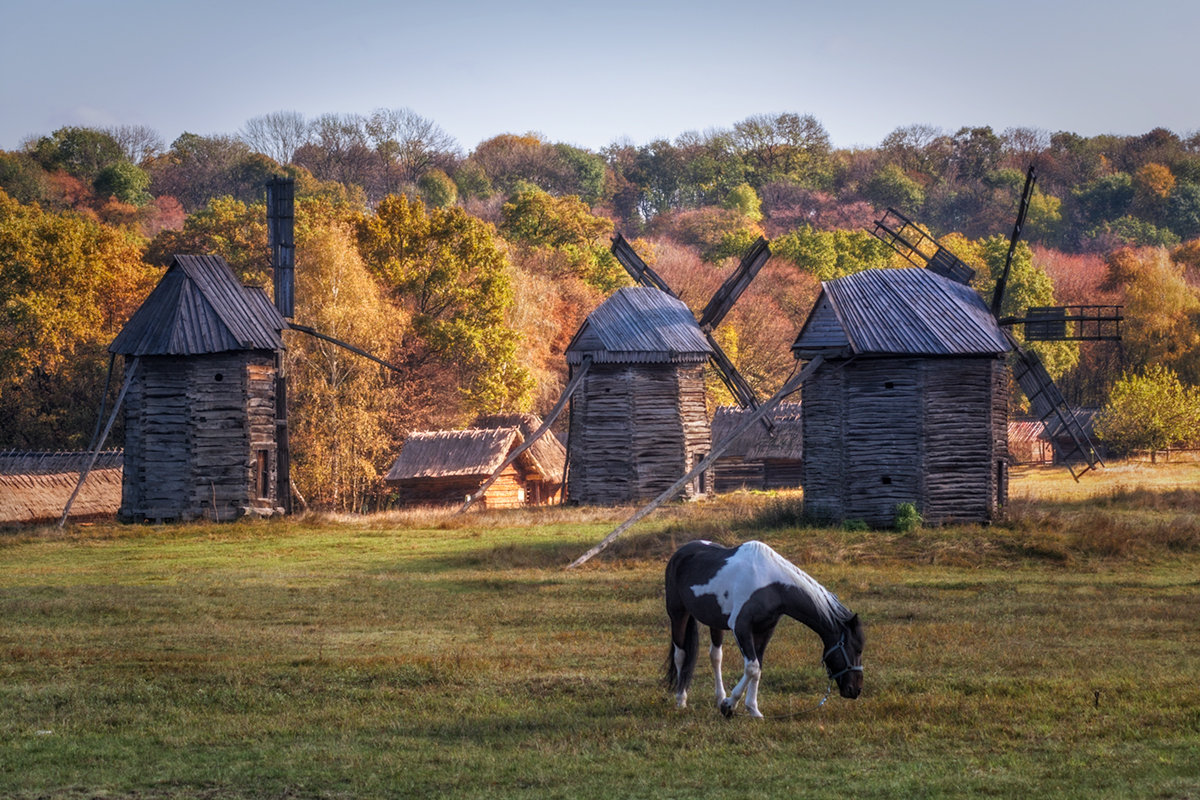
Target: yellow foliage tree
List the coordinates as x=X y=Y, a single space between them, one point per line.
x=342 y=405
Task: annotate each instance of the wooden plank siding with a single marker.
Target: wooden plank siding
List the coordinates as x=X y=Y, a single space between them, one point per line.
x=508 y=491
x=911 y=405
x=760 y=458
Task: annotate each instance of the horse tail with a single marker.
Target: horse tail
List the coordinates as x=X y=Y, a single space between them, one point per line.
x=679 y=677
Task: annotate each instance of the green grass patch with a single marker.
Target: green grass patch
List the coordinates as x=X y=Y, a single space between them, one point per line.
x=419 y=655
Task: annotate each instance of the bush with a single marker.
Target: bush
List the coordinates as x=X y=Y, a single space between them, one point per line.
x=908 y=518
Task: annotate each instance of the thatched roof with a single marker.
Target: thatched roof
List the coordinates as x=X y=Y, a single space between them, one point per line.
x=49 y=462
x=899 y=312
x=547 y=452
x=785 y=442
x=638 y=324
x=468 y=453
x=200 y=307
x=41 y=498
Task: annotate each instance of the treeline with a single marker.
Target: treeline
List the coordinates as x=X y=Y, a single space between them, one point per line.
x=1095 y=193
x=472 y=270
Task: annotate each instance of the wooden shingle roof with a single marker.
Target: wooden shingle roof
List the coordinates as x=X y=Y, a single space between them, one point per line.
x=899 y=312
x=639 y=324
x=474 y=452
x=200 y=307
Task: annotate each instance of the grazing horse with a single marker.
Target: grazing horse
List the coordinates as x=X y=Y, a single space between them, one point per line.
x=747 y=589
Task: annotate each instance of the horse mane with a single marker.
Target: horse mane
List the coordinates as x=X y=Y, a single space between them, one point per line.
x=825 y=602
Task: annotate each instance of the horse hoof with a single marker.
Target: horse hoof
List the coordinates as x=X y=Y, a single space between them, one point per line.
x=726 y=709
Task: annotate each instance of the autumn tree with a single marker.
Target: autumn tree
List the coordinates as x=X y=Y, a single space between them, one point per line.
x=1162 y=311
x=125 y=181
x=277 y=135
x=890 y=187
x=22 y=178
x=80 y=152
x=786 y=146
x=67 y=285
x=226 y=227
x=437 y=189
x=199 y=168
x=338 y=149
x=407 y=145
x=138 y=142
x=344 y=407
x=573 y=240
x=1150 y=410
x=446 y=270
x=831 y=254
x=918 y=149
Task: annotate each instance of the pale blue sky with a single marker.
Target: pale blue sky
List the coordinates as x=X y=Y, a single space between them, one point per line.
x=589 y=74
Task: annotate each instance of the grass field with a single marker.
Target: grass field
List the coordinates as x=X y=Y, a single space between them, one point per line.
x=1056 y=655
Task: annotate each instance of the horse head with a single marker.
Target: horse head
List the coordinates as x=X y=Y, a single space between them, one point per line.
x=843 y=660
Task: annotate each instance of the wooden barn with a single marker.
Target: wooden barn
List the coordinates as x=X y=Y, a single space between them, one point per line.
x=639 y=420
x=444 y=467
x=911 y=404
x=548 y=455
x=760 y=458
x=201 y=360
x=1030 y=441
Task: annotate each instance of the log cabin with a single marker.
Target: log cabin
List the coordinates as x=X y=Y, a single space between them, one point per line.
x=443 y=467
x=761 y=458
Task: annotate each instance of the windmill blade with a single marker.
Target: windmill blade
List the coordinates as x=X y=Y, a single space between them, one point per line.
x=742 y=393
x=356 y=350
x=638 y=270
x=919 y=248
x=735 y=284
x=1026 y=195
x=1067 y=436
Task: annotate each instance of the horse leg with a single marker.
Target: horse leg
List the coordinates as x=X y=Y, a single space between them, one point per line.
x=714 y=655
x=684 y=644
x=750 y=672
x=761 y=638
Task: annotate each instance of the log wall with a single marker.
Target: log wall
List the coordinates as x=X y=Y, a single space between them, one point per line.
x=635 y=429
x=880 y=432
x=508 y=491
x=198 y=431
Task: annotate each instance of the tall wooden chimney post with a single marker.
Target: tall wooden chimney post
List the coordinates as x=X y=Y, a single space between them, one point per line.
x=281 y=226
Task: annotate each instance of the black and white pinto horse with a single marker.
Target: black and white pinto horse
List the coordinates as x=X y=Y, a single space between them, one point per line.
x=747 y=589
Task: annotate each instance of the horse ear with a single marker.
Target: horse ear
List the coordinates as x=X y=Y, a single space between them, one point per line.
x=855 y=625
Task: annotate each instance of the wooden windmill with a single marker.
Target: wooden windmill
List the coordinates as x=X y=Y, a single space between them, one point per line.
x=636 y=386
x=205 y=393
x=1044 y=323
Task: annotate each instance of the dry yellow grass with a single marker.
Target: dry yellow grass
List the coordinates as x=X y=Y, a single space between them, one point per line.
x=1054 y=483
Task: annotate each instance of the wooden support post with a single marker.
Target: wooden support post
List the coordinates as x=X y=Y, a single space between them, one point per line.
x=100 y=442
x=718 y=449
